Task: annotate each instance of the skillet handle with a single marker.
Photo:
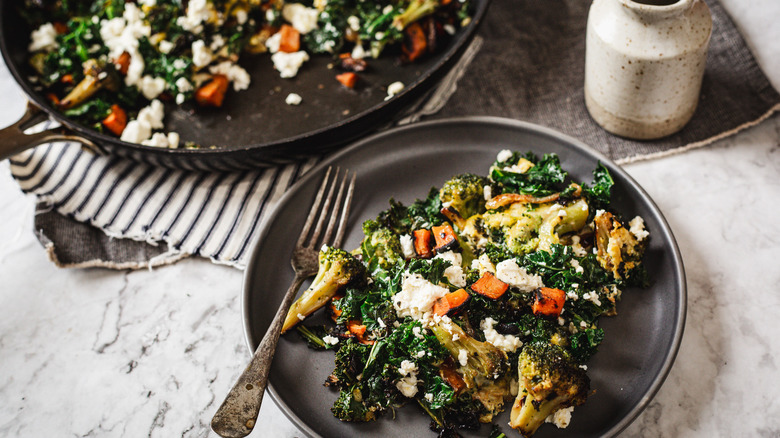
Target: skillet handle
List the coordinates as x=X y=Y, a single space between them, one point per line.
x=14 y=140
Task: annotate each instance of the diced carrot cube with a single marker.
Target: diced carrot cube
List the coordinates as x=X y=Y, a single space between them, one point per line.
x=548 y=301
x=490 y=286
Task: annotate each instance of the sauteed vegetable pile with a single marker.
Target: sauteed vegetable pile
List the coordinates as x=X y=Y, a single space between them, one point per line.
x=483 y=296
x=114 y=65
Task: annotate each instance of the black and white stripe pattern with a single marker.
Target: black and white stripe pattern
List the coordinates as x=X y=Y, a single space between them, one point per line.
x=212 y=215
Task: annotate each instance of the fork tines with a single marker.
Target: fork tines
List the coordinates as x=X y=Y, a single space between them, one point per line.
x=335 y=210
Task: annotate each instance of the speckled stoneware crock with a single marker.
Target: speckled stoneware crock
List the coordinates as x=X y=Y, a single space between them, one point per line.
x=644 y=62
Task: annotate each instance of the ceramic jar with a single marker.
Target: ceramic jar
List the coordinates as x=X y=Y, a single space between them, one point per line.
x=644 y=62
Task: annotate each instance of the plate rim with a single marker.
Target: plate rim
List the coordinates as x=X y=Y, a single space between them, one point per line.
x=492 y=121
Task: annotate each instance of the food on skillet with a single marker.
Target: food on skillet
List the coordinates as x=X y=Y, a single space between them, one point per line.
x=113 y=65
x=482 y=297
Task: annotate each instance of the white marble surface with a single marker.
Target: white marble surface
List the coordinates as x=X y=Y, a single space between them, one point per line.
x=92 y=353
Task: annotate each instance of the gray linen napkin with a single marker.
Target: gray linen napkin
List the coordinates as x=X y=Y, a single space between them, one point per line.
x=526 y=63
x=531 y=67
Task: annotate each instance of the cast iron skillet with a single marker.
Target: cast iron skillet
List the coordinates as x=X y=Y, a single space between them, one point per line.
x=254 y=128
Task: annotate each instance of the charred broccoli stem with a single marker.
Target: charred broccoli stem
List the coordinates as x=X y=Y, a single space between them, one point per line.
x=337 y=268
x=549 y=380
x=417 y=9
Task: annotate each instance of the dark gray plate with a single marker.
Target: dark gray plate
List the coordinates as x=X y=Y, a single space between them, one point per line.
x=641 y=342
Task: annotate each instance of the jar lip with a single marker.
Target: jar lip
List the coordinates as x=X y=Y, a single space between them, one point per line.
x=657 y=7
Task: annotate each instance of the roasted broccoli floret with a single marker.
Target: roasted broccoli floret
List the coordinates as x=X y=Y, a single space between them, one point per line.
x=482 y=358
x=337 y=268
x=619 y=251
x=465 y=194
x=526 y=227
x=548 y=381
x=381 y=248
x=417 y=9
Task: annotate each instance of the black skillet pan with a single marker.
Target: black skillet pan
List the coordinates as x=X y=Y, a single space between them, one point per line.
x=254 y=128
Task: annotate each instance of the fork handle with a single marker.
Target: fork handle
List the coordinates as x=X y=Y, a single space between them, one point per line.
x=237 y=415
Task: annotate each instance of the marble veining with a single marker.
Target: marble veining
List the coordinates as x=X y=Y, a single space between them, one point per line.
x=97 y=353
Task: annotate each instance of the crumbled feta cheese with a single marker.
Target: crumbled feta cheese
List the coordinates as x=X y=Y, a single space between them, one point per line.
x=417 y=332
x=407 y=367
x=197 y=12
x=522 y=166
x=592 y=297
x=417 y=296
x=483 y=264
x=509 y=272
x=273 y=42
x=354 y=23
x=463 y=357
x=579 y=251
x=148 y=2
x=152 y=114
x=577 y=267
x=121 y=34
x=288 y=63
x=183 y=85
x=504 y=155
x=508 y=343
x=173 y=140
x=571 y=295
x=561 y=418
x=165 y=46
x=241 y=16
x=379 y=35
x=303 y=19
x=407 y=245
x=450 y=29
x=301 y=316
x=584 y=367
x=428 y=397
x=487 y=193
x=420 y=354
x=136 y=132
x=217 y=42
x=201 y=55
x=151 y=87
x=43 y=38
x=388 y=9
x=235 y=74
x=358 y=52
x=332 y=340
x=270 y=15
x=158 y=139
x=637 y=228
x=454 y=272
x=394 y=88
x=583 y=324
x=293 y=99
x=179 y=64
x=407 y=386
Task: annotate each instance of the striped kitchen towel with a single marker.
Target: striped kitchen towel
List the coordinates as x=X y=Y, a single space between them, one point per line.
x=178 y=213
x=112 y=212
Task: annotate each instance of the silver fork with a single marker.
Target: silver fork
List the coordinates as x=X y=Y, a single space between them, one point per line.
x=237 y=415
